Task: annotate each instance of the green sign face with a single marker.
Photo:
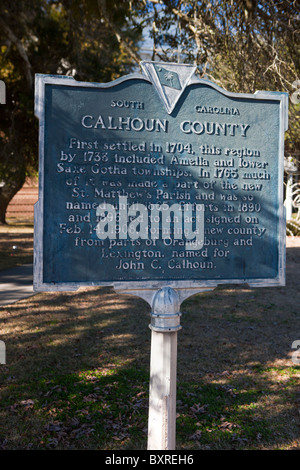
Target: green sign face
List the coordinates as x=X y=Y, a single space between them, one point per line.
x=158 y=178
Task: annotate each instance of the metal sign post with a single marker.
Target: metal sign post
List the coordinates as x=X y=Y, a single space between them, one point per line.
x=165 y=323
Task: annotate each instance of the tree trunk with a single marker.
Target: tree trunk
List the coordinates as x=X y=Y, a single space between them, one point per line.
x=7 y=192
x=3 y=208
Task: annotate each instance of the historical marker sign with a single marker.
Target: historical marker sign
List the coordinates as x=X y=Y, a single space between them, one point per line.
x=160 y=178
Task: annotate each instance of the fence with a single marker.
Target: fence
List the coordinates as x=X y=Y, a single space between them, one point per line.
x=21 y=206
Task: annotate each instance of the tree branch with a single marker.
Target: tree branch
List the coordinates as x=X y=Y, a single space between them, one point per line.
x=121 y=38
x=22 y=52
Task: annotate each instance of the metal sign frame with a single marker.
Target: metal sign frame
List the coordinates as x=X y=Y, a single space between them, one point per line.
x=170 y=98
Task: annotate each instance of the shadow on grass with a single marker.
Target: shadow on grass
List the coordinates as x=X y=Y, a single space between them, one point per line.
x=77 y=372
x=15 y=249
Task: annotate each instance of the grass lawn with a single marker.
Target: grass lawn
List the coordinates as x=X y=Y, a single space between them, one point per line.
x=77 y=367
x=16 y=242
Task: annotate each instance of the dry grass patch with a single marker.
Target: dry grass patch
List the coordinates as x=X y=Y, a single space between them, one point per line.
x=16 y=244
